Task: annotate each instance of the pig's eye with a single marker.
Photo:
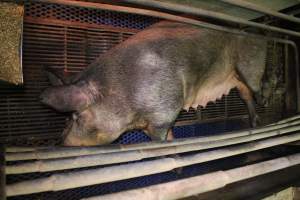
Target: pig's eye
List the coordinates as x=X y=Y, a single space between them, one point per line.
x=74 y=116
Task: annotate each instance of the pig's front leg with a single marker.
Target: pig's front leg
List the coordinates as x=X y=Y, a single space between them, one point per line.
x=160 y=132
x=170 y=135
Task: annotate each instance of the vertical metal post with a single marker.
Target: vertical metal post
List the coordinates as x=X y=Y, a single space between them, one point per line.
x=288 y=106
x=2 y=173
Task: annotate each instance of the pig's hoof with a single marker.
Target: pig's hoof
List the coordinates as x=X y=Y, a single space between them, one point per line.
x=260 y=100
x=255 y=121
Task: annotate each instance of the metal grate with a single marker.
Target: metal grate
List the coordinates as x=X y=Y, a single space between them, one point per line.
x=70 y=38
x=87 y=16
x=183 y=131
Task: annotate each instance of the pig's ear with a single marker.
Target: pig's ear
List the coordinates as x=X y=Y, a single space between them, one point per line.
x=58 y=77
x=54 y=76
x=66 y=98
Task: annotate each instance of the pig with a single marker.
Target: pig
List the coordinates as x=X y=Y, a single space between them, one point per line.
x=144 y=82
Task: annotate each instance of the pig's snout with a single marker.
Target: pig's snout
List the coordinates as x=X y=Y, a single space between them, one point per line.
x=46 y=97
x=71 y=140
x=43 y=97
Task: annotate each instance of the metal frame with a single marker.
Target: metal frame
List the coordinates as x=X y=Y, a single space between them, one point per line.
x=121 y=172
x=251 y=6
x=106 y=174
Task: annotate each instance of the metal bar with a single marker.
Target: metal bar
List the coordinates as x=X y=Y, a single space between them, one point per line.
x=2 y=173
x=88 y=177
x=127 y=156
x=47 y=21
x=203 y=183
x=261 y=9
x=296 y=54
x=172 y=7
x=210 y=14
x=80 y=151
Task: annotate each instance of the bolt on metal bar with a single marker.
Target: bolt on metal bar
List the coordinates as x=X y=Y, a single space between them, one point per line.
x=261 y=9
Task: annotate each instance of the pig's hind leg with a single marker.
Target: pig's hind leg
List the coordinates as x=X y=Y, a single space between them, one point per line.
x=247 y=96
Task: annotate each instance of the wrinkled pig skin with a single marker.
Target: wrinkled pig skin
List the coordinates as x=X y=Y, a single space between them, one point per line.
x=144 y=82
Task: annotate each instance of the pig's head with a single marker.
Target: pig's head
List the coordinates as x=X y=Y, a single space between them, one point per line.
x=93 y=122
x=92 y=126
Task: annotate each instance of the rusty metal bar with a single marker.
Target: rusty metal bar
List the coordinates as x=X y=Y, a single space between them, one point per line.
x=173 y=7
x=203 y=183
x=47 y=21
x=261 y=9
x=88 y=177
x=80 y=151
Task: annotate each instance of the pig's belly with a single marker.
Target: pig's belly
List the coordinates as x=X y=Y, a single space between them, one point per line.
x=209 y=91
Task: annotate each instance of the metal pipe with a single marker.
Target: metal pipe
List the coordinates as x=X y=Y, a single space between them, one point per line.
x=204 y=183
x=120 y=157
x=210 y=14
x=261 y=9
x=18 y=149
x=2 y=173
x=83 y=178
x=81 y=151
x=296 y=54
x=173 y=7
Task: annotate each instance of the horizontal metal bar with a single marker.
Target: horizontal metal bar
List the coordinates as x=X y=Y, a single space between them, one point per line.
x=127 y=156
x=210 y=14
x=48 y=21
x=57 y=152
x=173 y=7
x=261 y=9
x=83 y=178
x=203 y=183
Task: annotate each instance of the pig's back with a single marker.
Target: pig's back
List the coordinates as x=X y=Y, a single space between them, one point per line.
x=170 y=62
x=173 y=63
